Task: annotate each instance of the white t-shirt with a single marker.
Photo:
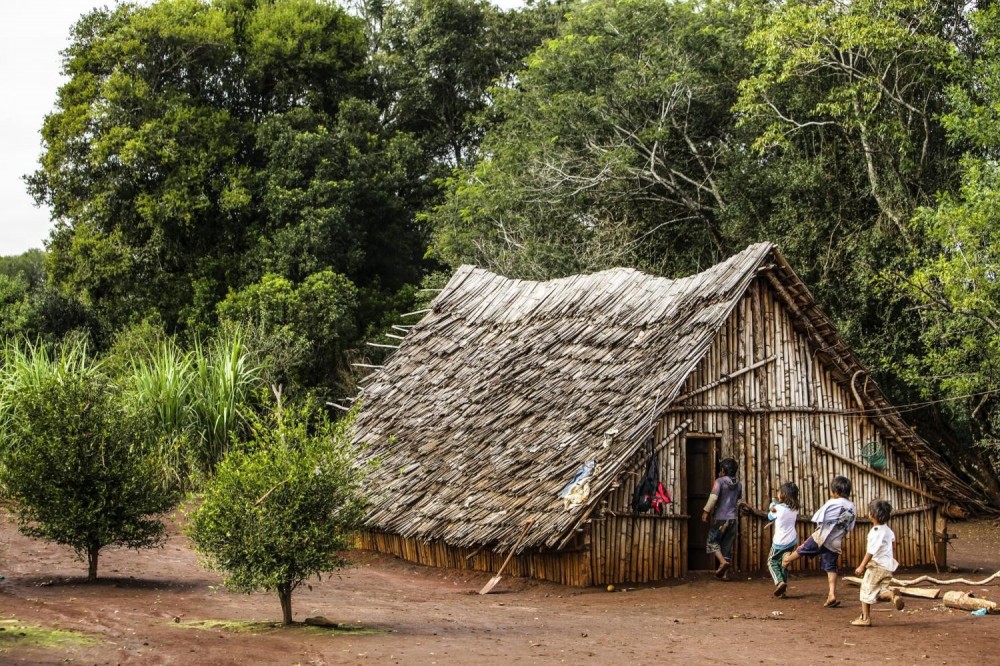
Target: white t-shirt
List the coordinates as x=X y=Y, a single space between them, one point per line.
x=880 y=540
x=784 y=524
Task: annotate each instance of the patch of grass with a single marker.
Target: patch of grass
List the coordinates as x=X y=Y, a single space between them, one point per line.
x=254 y=628
x=13 y=633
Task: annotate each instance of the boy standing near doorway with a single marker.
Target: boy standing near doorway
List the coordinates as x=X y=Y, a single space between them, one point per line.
x=723 y=509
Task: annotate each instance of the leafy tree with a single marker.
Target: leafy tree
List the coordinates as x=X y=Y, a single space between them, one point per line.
x=957 y=278
x=309 y=326
x=282 y=506
x=614 y=147
x=435 y=60
x=30 y=266
x=75 y=464
x=198 y=146
x=17 y=311
x=873 y=74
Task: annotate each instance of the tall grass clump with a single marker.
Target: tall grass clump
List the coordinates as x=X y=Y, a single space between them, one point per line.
x=224 y=378
x=159 y=386
x=27 y=364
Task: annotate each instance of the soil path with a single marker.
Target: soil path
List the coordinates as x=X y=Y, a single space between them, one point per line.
x=141 y=610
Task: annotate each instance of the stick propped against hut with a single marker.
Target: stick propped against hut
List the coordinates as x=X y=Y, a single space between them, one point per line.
x=505 y=388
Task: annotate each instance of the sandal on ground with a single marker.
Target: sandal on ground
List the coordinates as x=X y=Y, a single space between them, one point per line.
x=720 y=573
x=862 y=621
x=832 y=603
x=897 y=601
x=779 y=589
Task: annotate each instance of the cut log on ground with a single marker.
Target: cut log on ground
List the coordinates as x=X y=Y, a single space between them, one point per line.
x=968 y=601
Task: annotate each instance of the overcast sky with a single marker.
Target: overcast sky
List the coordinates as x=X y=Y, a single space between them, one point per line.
x=32 y=35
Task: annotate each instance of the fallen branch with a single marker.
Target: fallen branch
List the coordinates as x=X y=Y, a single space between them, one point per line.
x=954 y=581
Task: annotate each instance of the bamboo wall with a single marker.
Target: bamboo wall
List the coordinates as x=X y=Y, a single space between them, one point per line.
x=772 y=420
x=569 y=566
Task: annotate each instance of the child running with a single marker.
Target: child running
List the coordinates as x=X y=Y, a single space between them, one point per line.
x=834 y=519
x=724 y=500
x=783 y=515
x=878 y=564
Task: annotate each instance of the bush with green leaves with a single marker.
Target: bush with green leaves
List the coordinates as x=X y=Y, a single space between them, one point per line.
x=77 y=466
x=282 y=506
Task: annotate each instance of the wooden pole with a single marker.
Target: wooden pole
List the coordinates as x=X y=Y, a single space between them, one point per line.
x=884 y=477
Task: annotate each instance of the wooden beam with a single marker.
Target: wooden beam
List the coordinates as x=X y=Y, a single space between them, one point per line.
x=873 y=472
x=739 y=409
x=725 y=378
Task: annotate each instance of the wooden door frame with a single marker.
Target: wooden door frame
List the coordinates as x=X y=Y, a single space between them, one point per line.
x=694 y=512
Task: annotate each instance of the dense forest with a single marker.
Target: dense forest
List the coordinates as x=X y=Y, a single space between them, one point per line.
x=303 y=169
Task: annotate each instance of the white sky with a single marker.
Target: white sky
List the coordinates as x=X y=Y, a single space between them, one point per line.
x=32 y=35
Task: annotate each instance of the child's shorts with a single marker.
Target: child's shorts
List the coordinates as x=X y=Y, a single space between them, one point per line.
x=720 y=537
x=827 y=558
x=876 y=579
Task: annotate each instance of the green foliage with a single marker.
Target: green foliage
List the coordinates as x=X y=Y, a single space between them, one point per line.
x=434 y=61
x=193 y=400
x=198 y=145
x=282 y=506
x=957 y=279
x=29 y=266
x=224 y=377
x=17 y=311
x=612 y=150
x=76 y=464
x=309 y=326
x=870 y=72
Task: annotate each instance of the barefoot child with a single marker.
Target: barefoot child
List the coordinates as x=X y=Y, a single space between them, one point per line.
x=834 y=519
x=724 y=500
x=878 y=564
x=783 y=515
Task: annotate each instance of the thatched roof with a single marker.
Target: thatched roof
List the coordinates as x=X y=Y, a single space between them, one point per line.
x=506 y=387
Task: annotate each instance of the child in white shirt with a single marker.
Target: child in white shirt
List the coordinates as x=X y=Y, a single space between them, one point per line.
x=783 y=515
x=878 y=564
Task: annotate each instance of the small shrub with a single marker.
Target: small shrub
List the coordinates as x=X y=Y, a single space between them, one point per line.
x=282 y=506
x=79 y=468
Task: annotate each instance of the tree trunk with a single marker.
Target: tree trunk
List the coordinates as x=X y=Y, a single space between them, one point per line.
x=285 y=597
x=92 y=553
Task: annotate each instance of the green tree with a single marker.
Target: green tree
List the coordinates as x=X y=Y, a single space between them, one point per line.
x=76 y=465
x=434 y=61
x=308 y=327
x=613 y=148
x=871 y=73
x=282 y=506
x=199 y=145
x=957 y=277
x=29 y=265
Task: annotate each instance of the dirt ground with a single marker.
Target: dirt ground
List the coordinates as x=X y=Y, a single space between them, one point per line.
x=151 y=608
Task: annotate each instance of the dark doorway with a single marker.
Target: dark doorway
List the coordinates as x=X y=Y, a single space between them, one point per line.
x=702 y=453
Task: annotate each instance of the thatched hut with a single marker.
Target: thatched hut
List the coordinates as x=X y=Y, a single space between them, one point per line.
x=506 y=387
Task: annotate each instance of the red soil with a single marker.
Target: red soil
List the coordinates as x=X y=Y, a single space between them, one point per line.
x=429 y=616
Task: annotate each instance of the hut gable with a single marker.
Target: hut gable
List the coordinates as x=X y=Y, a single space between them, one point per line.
x=498 y=396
